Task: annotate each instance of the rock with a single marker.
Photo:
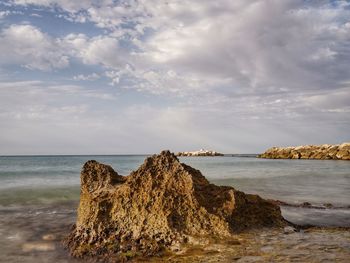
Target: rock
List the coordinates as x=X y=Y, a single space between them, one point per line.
x=161 y=206
x=306 y=204
x=341 y=154
x=295 y=155
x=321 y=152
x=38 y=246
x=328 y=205
x=289 y=230
x=345 y=146
x=49 y=237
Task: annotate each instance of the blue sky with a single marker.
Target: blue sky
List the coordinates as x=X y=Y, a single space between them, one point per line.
x=113 y=77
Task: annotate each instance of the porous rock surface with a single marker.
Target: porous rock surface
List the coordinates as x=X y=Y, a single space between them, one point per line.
x=323 y=152
x=157 y=208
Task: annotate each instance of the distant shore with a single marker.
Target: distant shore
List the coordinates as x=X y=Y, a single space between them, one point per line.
x=320 y=152
x=201 y=152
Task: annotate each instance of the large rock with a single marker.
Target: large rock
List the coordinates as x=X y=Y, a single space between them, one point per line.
x=324 y=151
x=159 y=207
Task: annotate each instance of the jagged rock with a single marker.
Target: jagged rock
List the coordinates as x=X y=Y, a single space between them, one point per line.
x=325 y=151
x=159 y=207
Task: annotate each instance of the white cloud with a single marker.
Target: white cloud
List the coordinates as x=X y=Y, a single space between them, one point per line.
x=3 y=14
x=324 y=54
x=89 y=77
x=212 y=74
x=21 y=93
x=28 y=46
x=35 y=15
x=336 y=100
x=66 y=5
x=215 y=50
x=256 y=45
x=100 y=50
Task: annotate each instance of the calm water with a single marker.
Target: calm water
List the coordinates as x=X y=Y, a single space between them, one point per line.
x=49 y=179
x=39 y=195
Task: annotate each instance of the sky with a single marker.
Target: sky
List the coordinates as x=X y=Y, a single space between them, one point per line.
x=138 y=76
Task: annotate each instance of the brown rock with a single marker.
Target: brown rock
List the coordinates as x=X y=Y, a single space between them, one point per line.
x=321 y=152
x=341 y=154
x=162 y=205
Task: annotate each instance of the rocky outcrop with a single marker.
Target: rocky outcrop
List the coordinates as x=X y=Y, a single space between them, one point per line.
x=160 y=207
x=324 y=152
x=201 y=152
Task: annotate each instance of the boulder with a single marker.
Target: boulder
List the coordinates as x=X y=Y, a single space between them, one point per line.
x=159 y=207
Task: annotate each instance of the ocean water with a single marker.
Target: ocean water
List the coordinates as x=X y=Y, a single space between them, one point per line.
x=39 y=195
x=48 y=180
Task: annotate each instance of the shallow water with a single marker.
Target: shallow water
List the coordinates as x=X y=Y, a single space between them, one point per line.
x=39 y=194
x=296 y=181
x=42 y=180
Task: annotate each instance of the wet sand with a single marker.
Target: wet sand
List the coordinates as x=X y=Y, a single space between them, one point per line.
x=34 y=234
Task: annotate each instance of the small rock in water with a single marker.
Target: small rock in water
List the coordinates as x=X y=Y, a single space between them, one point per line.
x=306 y=204
x=16 y=236
x=289 y=230
x=328 y=205
x=38 y=246
x=49 y=237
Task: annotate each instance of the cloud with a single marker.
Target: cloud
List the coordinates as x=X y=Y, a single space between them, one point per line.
x=90 y=77
x=100 y=50
x=66 y=5
x=230 y=75
x=256 y=45
x=22 y=94
x=28 y=46
x=339 y=100
x=35 y=15
x=3 y=14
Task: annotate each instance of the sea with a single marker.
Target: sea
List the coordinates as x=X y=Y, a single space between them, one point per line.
x=40 y=194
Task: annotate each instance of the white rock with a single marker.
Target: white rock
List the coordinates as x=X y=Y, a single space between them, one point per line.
x=289 y=230
x=38 y=246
